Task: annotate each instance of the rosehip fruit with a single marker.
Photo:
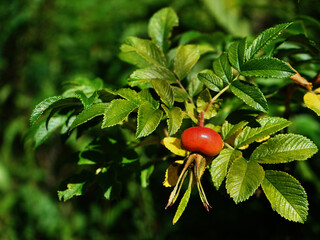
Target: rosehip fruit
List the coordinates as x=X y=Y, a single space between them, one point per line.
x=203 y=140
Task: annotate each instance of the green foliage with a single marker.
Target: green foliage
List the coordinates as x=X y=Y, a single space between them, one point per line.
x=174 y=72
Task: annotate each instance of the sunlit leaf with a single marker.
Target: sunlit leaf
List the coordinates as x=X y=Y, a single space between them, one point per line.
x=244 y=177
x=148 y=120
x=264 y=38
x=267 y=67
x=220 y=165
x=117 y=111
x=186 y=57
x=160 y=26
x=286 y=195
x=89 y=113
x=222 y=68
x=236 y=53
x=141 y=52
x=174 y=119
x=74 y=189
x=164 y=90
x=250 y=95
x=284 y=148
x=268 y=126
x=211 y=80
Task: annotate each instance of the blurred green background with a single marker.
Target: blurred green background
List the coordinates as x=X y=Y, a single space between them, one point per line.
x=46 y=42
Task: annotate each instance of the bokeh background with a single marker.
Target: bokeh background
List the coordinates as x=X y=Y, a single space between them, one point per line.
x=46 y=42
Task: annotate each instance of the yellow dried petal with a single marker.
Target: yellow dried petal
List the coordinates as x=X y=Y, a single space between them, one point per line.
x=174 y=146
x=263 y=139
x=244 y=147
x=312 y=101
x=172 y=174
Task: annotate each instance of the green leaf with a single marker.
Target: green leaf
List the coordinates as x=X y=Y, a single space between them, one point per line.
x=268 y=126
x=50 y=103
x=264 y=38
x=267 y=67
x=129 y=94
x=229 y=129
x=211 y=80
x=195 y=86
x=141 y=52
x=89 y=113
x=174 y=120
x=117 y=111
x=148 y=120
x=222 y=68
x=146 y=98
x=184 y=201
x=220 y=165
x=164 y=90
x=244 y=177
x=145 y=75
x=236 y=53
x=186 y=57
x=286 y=195
x=145 y=176
x=74 y=189
x=179 y=94
x=284 y=148
x=160 y=27
x=203 y=100
x=41 y=130
x=250 y=95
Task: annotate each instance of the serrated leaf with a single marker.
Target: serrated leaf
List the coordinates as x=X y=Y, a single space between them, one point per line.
x=141 y=52
x=236 y=53
x=284 y=148
x=195 y=86
x=174 y=145
x=222 y=68
x=267 y=67
x=41 y=130
x=164 y=90
x=264 y=38
x=220 y=165
x=211 y=80
x=229 y=129
x=117 y=111
x=286 y=195
x=184 y=201
x=179 y=94
x=148 y=120
x=50 y=103
x=160 y=27
x=203 y=100
x=174 y=120
x=89 y=113
x=244 y=177
x=185 y=58
x=145 y=75
x=73 y=189
x=312 y=101
x=129 y=94
x=146 y=97
x=250 y=95
x=268 y=126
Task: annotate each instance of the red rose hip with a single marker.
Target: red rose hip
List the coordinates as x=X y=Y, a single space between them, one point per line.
x=203 y=140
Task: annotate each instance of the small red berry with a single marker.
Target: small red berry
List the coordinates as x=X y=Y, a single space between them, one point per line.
x=203 y=140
